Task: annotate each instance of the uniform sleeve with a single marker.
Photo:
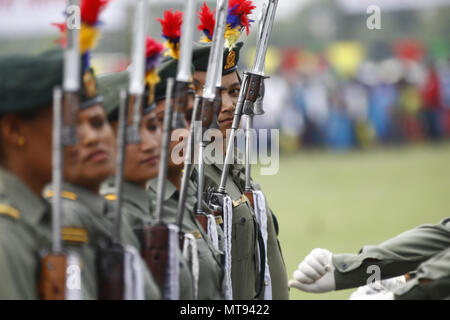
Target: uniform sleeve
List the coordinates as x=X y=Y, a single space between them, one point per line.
x=432 y=280
x=394 y=257
x=18 y=265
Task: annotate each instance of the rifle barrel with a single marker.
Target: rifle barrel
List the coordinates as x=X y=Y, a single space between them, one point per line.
x=121 y=158
x=161 y=187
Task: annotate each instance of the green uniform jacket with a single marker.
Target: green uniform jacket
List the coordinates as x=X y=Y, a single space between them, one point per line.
x=436 y=269
x=395 y=256
x=277 y=267
x=84 y=212
x=211 y=277
x=244 y=250
x=136 y=210
x=25 y=230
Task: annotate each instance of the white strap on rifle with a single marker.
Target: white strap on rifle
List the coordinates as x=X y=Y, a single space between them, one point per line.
x=73 y=277
x=227 y=226
x=190 y=253
x=261 y=216
x=212 y=230
x=172 y=285
x=133 y=275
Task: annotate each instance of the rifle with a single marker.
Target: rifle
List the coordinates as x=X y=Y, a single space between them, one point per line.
x=159 y=250
x=256 y=198
x=110 y=263
x=156 y=249
x=211 y=99
x=66 y=103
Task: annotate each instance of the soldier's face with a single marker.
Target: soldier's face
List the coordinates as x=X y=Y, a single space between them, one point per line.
x=92 y=160
x=230 y=95
x=178 y=141
x=142 y=159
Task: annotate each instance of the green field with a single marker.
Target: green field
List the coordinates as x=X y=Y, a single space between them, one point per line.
x=342 y=201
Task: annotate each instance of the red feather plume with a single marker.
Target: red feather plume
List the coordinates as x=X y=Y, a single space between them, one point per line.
x=242 y=9
x=171 y=25
x=90 y=10
x=207 y=21
x=153 y=47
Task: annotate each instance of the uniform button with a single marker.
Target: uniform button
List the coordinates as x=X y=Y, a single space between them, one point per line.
x=344 y=266
x=243 y=220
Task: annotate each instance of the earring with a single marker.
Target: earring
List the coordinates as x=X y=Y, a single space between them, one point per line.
x=21 y=141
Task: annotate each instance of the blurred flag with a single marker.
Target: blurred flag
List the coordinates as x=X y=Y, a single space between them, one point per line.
x=345 y=57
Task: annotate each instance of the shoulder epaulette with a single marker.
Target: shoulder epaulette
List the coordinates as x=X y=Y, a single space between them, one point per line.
x=237 y=202
x=9 y=211
x=110 y=197
x=64 y=194
x=74 y=235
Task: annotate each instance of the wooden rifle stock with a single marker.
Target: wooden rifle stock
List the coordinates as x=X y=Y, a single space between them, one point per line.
x=53 y=277
x=110 y=272
x=155 y=251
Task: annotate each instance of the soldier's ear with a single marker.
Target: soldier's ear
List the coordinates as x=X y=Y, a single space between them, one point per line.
x=11 y=131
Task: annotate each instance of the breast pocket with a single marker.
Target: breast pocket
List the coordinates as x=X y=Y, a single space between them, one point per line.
x=243 y=232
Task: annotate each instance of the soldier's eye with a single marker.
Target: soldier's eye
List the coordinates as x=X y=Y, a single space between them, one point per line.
x=97 y=123
x=234 y=92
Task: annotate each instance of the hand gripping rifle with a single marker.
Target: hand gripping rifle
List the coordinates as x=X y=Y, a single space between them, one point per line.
x=111 y=266
x=211 y=100
x=66 y=104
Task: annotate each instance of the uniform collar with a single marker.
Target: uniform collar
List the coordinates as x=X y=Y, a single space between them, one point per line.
x=152 y=185
x=236 y=164
x=136 y=195
x=32 y=209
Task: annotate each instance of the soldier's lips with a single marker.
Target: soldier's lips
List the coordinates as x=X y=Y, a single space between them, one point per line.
x=96 y=156
x=227 y=121
x=153 y=160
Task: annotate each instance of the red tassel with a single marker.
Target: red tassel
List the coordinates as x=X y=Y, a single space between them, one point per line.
x=171 y=25
x=207 y=21
x=90 y=10
x=153 y=47
x=242 y=9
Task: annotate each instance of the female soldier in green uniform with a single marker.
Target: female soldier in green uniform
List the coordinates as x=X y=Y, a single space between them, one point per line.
x=141 y=165
x=211 y=273
x=25 y=132
x=246 y=279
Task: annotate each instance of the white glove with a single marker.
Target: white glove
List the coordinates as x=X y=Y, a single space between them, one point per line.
x=378 y=288
x=315 y=273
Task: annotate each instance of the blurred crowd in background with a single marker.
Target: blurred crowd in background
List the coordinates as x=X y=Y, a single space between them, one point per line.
x=342 y=101
x=334 y=83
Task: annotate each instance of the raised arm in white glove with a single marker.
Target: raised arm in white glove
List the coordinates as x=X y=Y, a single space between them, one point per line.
x=315 y=273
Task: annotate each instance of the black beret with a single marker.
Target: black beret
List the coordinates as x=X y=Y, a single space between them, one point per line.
x=109 y=86
x=167 y=69
x=230 y=57
x=27 y=82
